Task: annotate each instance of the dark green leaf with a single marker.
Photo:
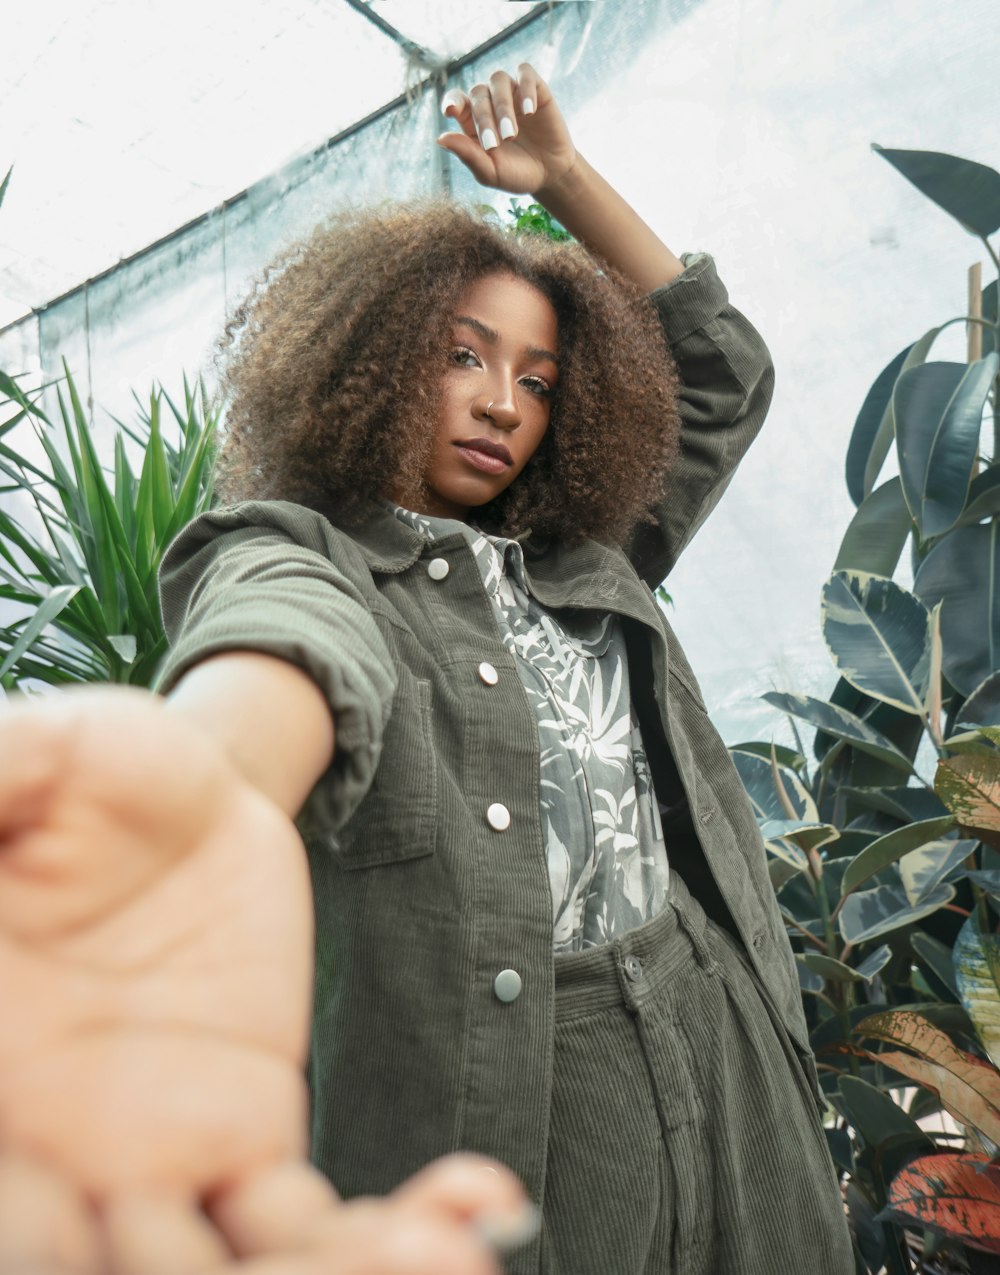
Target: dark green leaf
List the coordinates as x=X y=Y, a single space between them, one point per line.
x=970 y=192
x=937 y=957
x=939 y=412
x=875 y=537
x=879 y=636
x=982 y=708
x=875 y=1115
x=907 y=804
x=962 y=572
x=5 y=183
x=983 y=500
x=868 y=914
x=886 y=850
x=866 y=428
x=841 y=724
x=755 y=774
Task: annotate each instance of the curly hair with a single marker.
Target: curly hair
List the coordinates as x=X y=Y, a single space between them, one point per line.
x=333 y=365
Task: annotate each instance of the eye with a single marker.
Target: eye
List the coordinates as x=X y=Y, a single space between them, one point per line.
x=537 y=385
x=462 y=356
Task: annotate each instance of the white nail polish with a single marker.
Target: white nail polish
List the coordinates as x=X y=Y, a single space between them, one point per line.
x=527 y=107
x=506 y=128
x=489 y=140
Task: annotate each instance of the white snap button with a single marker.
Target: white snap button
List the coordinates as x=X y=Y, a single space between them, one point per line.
x=498 y=816
x=507 y=985
x=438 y=568
x=488 y=674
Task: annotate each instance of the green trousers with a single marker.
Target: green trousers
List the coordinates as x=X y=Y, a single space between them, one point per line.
x=685 y=1137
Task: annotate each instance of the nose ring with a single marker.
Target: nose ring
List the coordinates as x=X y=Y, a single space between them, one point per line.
x=489 y=409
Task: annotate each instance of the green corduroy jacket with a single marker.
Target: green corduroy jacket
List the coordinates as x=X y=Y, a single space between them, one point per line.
x=420 y=902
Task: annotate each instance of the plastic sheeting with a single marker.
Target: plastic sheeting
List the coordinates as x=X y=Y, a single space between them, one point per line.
x=737 y=126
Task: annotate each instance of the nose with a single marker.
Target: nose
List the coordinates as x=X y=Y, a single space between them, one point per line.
x=500 y=406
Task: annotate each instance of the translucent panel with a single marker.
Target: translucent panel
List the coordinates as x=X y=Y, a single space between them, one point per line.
x=449 y=30
x=125 y=120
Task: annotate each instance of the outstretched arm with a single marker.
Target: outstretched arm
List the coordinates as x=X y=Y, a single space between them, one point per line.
x=514 y=138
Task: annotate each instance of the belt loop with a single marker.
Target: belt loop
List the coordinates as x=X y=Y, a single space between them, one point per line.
x=697 y=936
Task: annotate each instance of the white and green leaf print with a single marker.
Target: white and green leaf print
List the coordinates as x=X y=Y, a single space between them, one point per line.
x=604 y=842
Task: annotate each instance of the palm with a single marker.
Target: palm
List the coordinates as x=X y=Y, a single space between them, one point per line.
x=155 y=950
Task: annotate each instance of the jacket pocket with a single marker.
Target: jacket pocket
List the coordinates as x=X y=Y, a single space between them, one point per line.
x=397 y=820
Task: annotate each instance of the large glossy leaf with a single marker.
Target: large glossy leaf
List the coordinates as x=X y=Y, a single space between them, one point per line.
x=913 y=1031
x=957 y=1195
x=877 y=533
x=969 y=785
x=983 y=500
x=908 y=804
x=960 y=1091
x=937 y=957
x=982 y=707
x=976 y=957
x=962 y=572
x=867 y=914
x=866 y=429
x=841 y=724
x=758 y=780
x=887 y=849
x=939 y=413
x=875 y=1115
x=969 y=191
x=879 y=636
x=922 y=869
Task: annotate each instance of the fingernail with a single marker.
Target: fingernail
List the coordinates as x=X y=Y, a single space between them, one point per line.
x=509 y=1230
x=506 y=128
x=446 y=103
x=527 y=106
x=489 y=1169
x=489 y=139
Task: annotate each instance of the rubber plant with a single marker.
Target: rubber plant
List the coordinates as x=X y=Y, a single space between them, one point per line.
x=84 y=573
x=884 y=841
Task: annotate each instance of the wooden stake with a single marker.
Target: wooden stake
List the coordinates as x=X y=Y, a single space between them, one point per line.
x=975 y=311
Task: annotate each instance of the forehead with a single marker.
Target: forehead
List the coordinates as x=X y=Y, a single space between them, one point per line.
x=512 y=307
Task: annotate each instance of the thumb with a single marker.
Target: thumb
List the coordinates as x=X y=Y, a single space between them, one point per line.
x=470 y=151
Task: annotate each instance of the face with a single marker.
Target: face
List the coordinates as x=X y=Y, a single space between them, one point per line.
x=500 y=372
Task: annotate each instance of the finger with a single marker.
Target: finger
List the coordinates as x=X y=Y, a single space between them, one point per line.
x=274 y=1210
x=487 y=128
x=478 y=1191
x=153 y=1235
x=456 y=105
x=502 y=89
x=472 y=155
x=527 y=91
x=44 y=1224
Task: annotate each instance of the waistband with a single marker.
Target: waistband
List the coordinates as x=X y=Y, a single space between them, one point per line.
x=636 y=964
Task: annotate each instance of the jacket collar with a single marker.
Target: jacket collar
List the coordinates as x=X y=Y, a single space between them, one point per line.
x=589 y=575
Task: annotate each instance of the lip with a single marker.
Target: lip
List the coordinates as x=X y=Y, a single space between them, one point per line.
x=488 y=448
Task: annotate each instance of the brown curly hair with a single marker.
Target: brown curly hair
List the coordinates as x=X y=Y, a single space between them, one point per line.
x=332 y=369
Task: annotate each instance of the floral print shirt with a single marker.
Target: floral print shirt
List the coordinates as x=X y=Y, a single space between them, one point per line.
x=604 y=843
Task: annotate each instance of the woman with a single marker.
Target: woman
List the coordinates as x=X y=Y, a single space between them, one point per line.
x=545 y=928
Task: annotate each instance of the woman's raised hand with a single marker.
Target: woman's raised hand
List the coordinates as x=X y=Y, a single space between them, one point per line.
x=513 y=136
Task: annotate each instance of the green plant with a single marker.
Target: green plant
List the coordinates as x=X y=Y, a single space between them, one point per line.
x=884 y=844
x=88 y=574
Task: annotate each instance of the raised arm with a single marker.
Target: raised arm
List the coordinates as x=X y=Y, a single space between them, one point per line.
x=538 y=157
x=513 y=137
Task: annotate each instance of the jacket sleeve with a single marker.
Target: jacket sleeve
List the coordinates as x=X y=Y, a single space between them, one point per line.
x=726 y=379
x=259 y=576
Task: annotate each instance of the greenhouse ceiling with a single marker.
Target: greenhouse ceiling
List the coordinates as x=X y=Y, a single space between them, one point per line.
x=125 y=119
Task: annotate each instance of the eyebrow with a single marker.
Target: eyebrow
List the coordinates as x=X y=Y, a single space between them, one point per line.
x=488 y=334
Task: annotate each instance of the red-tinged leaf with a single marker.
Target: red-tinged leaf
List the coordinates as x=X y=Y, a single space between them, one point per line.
x=960 y=1090
x=955 y=1195
x=969 y=785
